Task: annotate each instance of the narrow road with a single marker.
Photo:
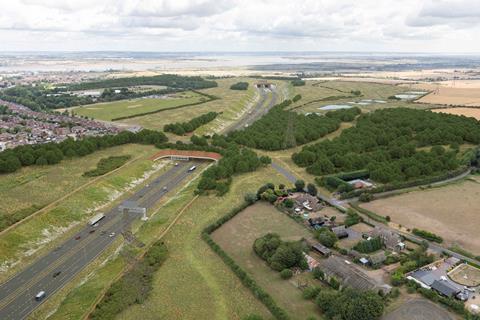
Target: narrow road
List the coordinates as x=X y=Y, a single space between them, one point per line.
x=54 y=270
x=334 y=202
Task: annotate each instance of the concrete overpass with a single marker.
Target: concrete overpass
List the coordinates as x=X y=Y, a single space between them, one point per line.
x=186 y=155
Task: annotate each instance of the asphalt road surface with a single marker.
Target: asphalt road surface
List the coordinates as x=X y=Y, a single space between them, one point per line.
x=54 y=270
x=256 y=112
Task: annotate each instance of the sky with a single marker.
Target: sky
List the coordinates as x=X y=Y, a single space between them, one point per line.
x=441 y=26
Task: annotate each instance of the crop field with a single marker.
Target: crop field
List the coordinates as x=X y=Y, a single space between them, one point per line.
x=194 y=283
x=469 y=97
x=466 y=275
x=450 y=211
x=231 y=104
x=467 y=112
x=237 y=236
x=24 y=242
x=111 y=110
x=316 y=94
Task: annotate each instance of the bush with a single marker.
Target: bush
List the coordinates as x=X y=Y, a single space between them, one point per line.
x=279 y=254
x=311 y=292
x=369 y=246
x=239 y=86
x=318 y=273
x=106 y=165
x=326 y=237
x=299 y=185
x=297 y=83
x=286 y=274
x=366 y=197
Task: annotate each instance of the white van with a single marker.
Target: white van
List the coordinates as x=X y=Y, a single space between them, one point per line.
x=40 y=295
x=192 y=168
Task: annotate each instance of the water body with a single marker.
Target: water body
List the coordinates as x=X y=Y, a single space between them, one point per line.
x=335 y=107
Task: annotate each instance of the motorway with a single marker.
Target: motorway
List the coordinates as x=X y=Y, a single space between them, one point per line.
x=54 y=270
x=256 y=112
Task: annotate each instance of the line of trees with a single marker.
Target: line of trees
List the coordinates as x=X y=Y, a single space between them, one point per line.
x=12 y=160
x=369 y=246
x=180 y=128
x=239 y=86
x=167 y=80
x=394 y=145
x=133 y=287
x=281 y=129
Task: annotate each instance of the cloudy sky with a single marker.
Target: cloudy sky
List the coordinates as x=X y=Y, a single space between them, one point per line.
x=241 y=25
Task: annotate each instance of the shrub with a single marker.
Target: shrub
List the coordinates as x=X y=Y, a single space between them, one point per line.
x=326 y=237
x=318 y=273
x=311 y=292
x=368 y=246
x=286 y=274
x=427 y=235
x=106 y=165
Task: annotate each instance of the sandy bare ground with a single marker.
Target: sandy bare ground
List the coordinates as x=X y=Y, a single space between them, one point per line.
x=469 y=112
x=453 y=96
x=450 y=211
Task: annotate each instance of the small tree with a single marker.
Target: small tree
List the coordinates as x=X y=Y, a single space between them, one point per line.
x=299 y=185
x=311 y=189
x=250 y=198
x=288 y=203
x=318 y=273
x=286 y=274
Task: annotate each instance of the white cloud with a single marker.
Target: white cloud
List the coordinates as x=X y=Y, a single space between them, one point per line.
x=195 y=25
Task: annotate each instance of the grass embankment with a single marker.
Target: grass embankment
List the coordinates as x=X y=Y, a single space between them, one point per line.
x=23 y=243
x=125 y=108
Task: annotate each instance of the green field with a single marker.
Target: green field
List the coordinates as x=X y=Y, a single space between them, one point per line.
x=231 y=103
x=237 y=236
x=316 y=94
x=115 y=109
x=23 y=243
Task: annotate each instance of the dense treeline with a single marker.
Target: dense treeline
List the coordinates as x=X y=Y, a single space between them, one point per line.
x=282 y=129
x=280 y=254
x=246 y=280
x=167 y=80
x=133 y=287
x=106 y=165
x=235 y=160
x=180 y=128
x=386 y=143
x=239 y=86
x=51 y=153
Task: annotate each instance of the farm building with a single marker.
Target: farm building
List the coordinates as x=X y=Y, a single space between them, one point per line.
x=340 y=232
x=445 y=288
x=320 y=248
x=392 y=240
x=350 y=275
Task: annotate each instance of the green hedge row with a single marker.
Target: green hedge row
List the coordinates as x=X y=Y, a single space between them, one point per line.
x=106 y=165
x=406 y=184
x=372 y=215
x=209 y=96
x=427 y=235
x=247 y=281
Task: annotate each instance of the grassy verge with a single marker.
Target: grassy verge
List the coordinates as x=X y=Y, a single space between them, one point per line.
x=372 y=215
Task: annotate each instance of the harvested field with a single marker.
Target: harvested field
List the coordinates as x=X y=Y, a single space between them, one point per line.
x=237 y=236
x=450 y=211
x=419 y=309
x=468 y=112
x=469 y=97
x=466 y=275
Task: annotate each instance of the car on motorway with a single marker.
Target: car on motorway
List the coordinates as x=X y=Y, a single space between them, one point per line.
x=91 y=231
x=176 y=164
x=111 y=234
x=40 y=295
x=56 y=274
x=192 y=168
x=165 y=188
x=78 y=237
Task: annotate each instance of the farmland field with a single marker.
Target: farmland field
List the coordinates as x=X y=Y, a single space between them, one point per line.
x=450 y=211
x=237 y=236
x=468 y=112
x=469 y=97
x=111 y=110
x=231 y=103
x=316 y=94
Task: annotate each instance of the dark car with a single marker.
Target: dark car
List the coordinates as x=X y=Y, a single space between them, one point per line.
x=56 y=274
x=91 y=231
x=78 y=237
